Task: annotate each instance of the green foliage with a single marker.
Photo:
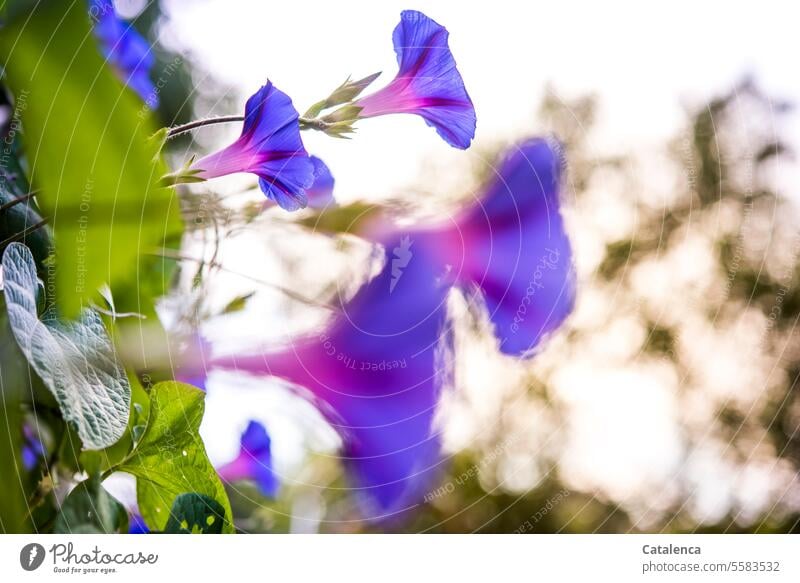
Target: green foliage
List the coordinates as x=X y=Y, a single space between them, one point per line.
x=89 y=508
x=170 y=458
x=195 y=514
x=238 y=303
x=20 y=219
x=13 y=389
x=75 y=360
x=94 y=165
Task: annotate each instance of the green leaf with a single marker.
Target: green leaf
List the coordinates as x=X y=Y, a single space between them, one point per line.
x=89 y=508
x=170 y=458
x=75 y=360
x=342 y=219
x=238 y=303
x=195 y=514
x=14 y=389
x=87 y=136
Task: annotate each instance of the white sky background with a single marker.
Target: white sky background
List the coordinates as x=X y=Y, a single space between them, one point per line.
x=645 y=63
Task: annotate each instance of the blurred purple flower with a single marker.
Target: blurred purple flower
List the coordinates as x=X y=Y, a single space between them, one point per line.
x=428 y=83
x=511 y=247
x=254 y=461
x=137 y=525
x=269 y=147
x=125 y=50
x=33 y=449
x=376 y=373
x=193 y=365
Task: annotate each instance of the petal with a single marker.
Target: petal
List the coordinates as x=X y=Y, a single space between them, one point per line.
x=255 y=439
x=320 y=194
x=256 y=447
x=427 y=65
x=270 y=121
x=137 y=525
x=517 y=251
x=289 y=196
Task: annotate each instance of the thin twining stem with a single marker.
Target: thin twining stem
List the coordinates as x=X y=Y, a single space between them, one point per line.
x=187 y=127
x=305 y=123
x=170 y=254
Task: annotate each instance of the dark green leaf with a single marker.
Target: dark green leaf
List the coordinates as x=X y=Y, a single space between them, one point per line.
x=89 y=508
x=195 y=514
x=76 y=360
x=13 y=390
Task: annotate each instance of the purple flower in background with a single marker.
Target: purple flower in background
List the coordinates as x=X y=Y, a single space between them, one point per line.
x=194 y=369
x=125 y=50
x=376 y=372
x=254 y=461
x=428 y=83
x=511 y=247
x=137 y=525
x=269 y=147
x=33 y=449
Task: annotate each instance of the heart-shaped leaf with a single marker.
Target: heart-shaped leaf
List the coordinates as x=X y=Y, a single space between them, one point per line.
x=76 y=360
x=170 y=458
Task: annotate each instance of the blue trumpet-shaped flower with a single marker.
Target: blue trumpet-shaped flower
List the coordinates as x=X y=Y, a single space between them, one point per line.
x=428 y=83
x=269 y=147
x=376 y=372
x=125 y=50
x=254 y=461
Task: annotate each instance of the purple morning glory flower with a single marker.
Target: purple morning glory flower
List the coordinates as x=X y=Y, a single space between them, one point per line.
x=376 y=372
x=269 y=147
x=254 y=461
x=125 y=50
x=428 y=83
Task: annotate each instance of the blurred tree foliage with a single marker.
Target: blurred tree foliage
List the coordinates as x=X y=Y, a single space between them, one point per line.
x=711 y=234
